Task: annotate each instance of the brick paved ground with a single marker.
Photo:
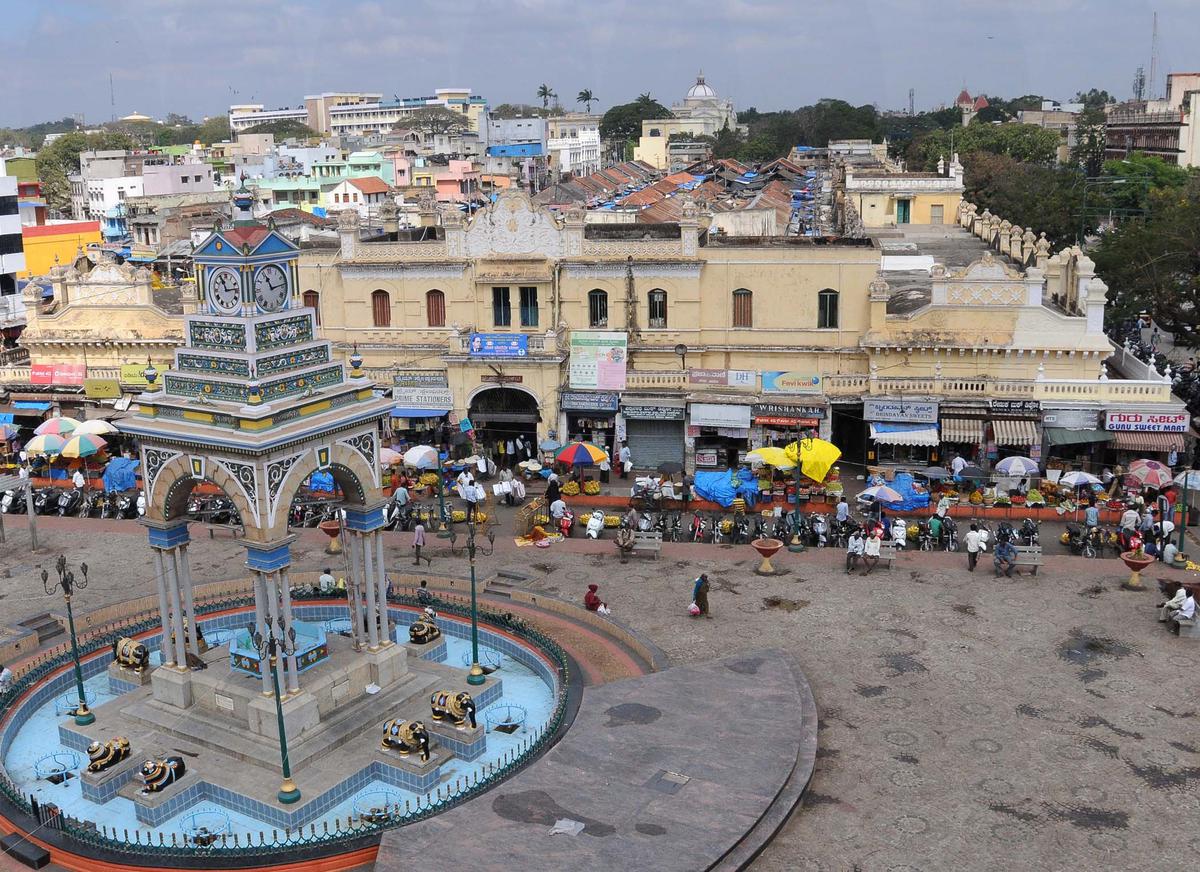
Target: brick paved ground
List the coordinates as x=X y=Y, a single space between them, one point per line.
x=966 y=722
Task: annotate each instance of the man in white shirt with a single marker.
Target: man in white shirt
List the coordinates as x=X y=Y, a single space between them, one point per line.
x=843 y=511
x=958 y=465
x=557 y=509
x=1130 y=520
x=854 y=551
x=1186 y=612
x=325 y=582
x=78 y=480
x=400 y=495
x=626 y=459
x=1164 y=531
x=972 y=547
x=1173 y=604
x=871 y=552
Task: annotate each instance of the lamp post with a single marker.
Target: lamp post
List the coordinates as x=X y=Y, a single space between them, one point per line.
x=443 y=528
x=68 y=584
x=476 y=675
x=272 y=646
x=796 y=544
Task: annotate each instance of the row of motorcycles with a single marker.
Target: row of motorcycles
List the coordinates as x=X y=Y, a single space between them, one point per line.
x=74 y=502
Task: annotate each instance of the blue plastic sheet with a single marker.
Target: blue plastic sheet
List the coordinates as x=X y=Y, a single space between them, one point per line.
x=904 y=485
x=723 y=486
x=321 y=481
x=121 y=474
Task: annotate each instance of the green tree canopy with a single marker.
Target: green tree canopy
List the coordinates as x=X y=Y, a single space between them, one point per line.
x=1094 y=99
x=60 y=159
x=283 y=129
x=433 y=120
x=1027 y=143
x=1088 y=151
x=215 y=129
x=1044 y=198
x=624 y=122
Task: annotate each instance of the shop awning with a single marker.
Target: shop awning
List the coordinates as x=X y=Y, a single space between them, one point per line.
x=402 y=412
x=1131 y=440
x=962 y=430
x=1060 y=436
x=905 y=434
x=1020 y=434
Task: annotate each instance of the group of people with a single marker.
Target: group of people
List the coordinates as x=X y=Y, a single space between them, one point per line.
x=1147 y=530
x=1180 y=605
x=864 y=548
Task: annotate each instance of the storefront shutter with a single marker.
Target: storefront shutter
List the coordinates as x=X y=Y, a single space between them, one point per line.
x=654 y=442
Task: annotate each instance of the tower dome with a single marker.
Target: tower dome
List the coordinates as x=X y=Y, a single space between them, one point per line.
x=701 y=89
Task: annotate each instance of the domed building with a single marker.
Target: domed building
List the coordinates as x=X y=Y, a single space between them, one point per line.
x=703 y=112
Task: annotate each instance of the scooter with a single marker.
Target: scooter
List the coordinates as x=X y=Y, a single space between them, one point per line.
x=1005 y=532
x=924 y=537
x=566 y=524
x=595 y=524
x=699 y=528
x=645 y=522
x=68 y=502
x=45 y=500
x=899 y=533
x=141 y=503
x=820 y=531
x=13 y=501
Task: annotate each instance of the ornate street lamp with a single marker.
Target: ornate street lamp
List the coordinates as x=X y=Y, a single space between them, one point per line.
x=804 y=442
x=273 y=646
x=68 y=584
x=476 y=675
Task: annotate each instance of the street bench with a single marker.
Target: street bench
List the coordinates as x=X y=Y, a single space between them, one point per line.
x=647 y=542
x=887 y=551
x=1188 y=628
x=1028 y=555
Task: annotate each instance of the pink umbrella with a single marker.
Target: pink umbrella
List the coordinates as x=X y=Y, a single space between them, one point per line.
x=1151 y=473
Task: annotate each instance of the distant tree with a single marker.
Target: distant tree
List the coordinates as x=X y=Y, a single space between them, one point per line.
x=174 y=119
x=1151 y=263
x=1135 y=178
x=283 y=129
x=624 y=122
x=990 y=114
x=215 y=129
x=518 y=110
x=587 y=98
x=59 y=159
x=748 y=116
x=434 y=120
x=1088 y=151
x=545 y=92
x=1043 y=197
x=1094 y=99
x=728 y=144
x=644 y=99
x=1022 y=142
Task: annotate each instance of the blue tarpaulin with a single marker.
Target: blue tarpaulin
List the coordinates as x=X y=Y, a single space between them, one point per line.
x=720 y=487
x=903 y=484
x=6 y=418
x=121 y=474
x=35 y=405
x=321 y=481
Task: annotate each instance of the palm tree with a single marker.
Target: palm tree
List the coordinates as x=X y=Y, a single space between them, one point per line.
x=645 y=99
x=587 y=98
x=545 y=92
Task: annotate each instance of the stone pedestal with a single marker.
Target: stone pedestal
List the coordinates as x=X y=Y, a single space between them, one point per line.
x=100 y=787
x=462 y=742
x=124 y=678
x=300 y=713
x=387 y=664
x=171 y=686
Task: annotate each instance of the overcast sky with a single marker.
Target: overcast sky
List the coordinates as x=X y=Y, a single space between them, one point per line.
x=198 y=57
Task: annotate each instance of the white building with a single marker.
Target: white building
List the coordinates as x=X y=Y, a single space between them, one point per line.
x=12 y=256
x=246 y=115
x=363 y=195
x=573 y=143
x=360 y=119
x=104 y=195
x=172 y=176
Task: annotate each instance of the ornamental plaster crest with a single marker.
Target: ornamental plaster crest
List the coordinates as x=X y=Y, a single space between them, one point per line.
x=277 y=472
x=155 y=460
x=513 y=225
x=364 y=444
x=245 y=475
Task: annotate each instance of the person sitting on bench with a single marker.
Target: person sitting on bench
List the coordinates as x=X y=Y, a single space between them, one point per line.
x=871 y=551
x=854 y=551
x=1005 y=558
x=1173 y=604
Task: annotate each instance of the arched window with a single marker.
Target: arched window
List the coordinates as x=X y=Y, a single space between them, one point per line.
x=597 y=308
x=743 y=308
x=381 y=308
x=312 y=300
x=827 y=308
x=657 y=300
x=435 y=308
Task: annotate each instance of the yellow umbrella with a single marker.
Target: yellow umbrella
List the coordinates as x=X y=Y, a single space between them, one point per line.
x=815 y=456
x=775 y=457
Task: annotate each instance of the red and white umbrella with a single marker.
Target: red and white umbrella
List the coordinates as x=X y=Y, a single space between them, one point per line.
x=1151 y=473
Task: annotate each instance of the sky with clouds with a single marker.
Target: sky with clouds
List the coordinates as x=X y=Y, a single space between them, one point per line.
x=198 y=57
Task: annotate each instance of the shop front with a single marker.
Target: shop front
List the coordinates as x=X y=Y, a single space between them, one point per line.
x=1014 y=430
x=782 y=423
x=1073 y=436
x=423 y=400
x=1146 y=434
x=720 y=433
x=501 y=413
x=654 y=429
x=963 y=431
x=901 y=432
x=591 y=416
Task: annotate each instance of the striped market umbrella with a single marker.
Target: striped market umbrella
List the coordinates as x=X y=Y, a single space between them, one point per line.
x=95 y=427
x=57 y=427
x=388 y=457
x=421 y=457
x=580 y=454
x=883 y=494
x=1017 y=466
x=82 y=446
x=1078 y=478
x=45 y=444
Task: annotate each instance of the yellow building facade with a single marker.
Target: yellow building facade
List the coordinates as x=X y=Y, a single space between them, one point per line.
x=49 y=244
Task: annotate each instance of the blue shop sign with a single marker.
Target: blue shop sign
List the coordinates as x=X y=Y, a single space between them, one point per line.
x=499 y=345
x=584 y=401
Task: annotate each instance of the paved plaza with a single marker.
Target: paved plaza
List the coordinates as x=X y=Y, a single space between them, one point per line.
x=966 y=722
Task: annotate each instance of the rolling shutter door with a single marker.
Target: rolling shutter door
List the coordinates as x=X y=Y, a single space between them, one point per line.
x=654 y=442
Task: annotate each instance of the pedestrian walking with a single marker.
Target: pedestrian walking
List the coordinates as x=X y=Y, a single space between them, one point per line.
x=972 y=547
x=700 y=596
x=626 y=459
x=418 y=543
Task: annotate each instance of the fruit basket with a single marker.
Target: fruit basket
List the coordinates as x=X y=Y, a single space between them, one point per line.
x=591 y=487
x=570 y=489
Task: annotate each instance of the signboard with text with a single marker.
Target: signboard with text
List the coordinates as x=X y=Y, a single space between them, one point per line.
x=907 y=411
x=652 y=412
x=421 y=378
x=437 y=399
x=586 y=401
x=791 y=382
x=499 y=345
x=730 y=378
x=1015 y=407
x=57 y=373
x=1147 y=422
x=598 y=360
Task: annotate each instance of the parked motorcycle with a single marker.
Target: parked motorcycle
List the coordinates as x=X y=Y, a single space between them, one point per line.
x=45 y=500
x=1080 y=540
x=949 y=533
x=13 y=500
x=68 y=502
x=1030 y=534
x=566 y=524
x=595 y=524
x=900 y=533
x=1005 y=532
x=924 y=536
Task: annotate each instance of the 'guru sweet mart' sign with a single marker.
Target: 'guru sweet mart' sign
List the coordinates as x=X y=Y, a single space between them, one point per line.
x=1146 y=422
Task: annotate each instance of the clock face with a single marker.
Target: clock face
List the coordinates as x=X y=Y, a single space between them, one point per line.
x=225 y=290
x=270 y=288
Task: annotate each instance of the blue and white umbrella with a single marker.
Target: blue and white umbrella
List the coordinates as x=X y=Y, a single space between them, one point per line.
x=1017 y=466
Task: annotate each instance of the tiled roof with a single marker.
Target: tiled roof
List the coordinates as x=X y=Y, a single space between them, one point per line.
x=250 y=235
x=370 y=185
x=644 y=197
x=680 y=178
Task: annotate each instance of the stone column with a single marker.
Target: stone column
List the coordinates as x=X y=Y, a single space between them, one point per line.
x=184 y=573
x=260 y=627
x=385 y=624
x=164 y=609
x=285 y=603
x=369 y=581
x=354 y=590
x=176 y=611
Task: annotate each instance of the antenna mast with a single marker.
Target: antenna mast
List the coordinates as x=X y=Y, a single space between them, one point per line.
x=1150 y=82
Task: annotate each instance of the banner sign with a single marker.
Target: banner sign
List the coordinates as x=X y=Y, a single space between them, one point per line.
x=57 y=373
x=791 y=382
x=716 y=415
x=437 y=399
x=1015 y=407
x=783 y=410
x=101 y=388
x=730 y=378
x=1146 y=422
x=652 y=412
x=583 y=401
x=908 y=411
x=421 y=378
x=598 y=359
x=499 y=345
